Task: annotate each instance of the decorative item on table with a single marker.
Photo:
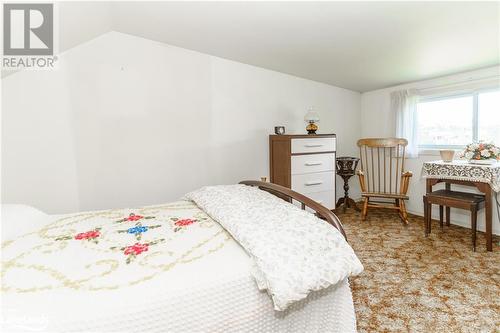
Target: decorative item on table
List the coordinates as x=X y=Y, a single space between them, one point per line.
x=311 y=118
x=447 y=155
x=263 y=179
x=280 y=130
x=481 y=153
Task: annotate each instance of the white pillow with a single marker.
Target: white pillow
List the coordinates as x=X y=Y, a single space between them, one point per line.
x=18 y=220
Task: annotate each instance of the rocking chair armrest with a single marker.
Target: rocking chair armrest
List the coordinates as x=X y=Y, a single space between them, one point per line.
x=407 y=174
x=405 y=181
x=362 y=183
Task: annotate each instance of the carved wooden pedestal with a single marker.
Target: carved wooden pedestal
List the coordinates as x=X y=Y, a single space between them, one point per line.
x=346 y=168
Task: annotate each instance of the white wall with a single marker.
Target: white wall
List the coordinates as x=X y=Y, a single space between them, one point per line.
x=126 y=121
x=379 y=121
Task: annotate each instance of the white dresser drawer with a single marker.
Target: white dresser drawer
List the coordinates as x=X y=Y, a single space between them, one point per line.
x=326 y=198
x=313 y=182
x=312 y=163
x=312 y=145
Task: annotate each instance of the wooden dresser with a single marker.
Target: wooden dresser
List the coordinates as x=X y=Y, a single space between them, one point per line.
x=306 y=164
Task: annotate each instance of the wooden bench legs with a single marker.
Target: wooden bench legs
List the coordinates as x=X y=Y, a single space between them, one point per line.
x=428 y=219
x=473 y=218
x=427 y=216
x=441 y=216
x=447 y=215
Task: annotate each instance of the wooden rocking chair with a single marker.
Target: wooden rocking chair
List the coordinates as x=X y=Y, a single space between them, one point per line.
x=381 y=175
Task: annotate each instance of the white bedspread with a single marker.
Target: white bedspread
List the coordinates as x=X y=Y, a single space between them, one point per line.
x=167 y=268
x=294 y=251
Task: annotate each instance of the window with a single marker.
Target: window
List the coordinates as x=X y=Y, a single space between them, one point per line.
x=455 y=121
x=489 y=116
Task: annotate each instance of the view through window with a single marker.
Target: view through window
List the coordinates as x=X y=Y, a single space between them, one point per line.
x=458 y=120
x=489 y=117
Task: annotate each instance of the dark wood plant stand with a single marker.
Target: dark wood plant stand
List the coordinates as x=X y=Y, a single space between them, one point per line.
x=346 y=168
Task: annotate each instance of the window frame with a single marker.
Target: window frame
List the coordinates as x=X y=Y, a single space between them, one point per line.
x=475 y=115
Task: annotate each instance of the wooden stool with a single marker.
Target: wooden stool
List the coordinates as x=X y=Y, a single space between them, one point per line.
x=448 y=198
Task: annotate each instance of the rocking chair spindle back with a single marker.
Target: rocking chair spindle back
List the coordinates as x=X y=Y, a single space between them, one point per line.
x=382 y=175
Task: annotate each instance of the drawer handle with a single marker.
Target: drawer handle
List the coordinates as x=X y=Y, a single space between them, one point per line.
x=313 y=183
x=313 y=163
x=313 y=145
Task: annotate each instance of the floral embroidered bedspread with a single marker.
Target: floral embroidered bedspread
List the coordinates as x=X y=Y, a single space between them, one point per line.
x=108 y=250
x=294 y=252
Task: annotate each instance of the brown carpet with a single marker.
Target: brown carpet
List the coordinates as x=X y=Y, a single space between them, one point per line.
x=417 y=284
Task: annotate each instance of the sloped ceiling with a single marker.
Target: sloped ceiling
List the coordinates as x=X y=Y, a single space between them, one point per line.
x=361 y=46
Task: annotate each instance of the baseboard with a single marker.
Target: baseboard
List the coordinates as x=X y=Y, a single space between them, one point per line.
x=463 y=224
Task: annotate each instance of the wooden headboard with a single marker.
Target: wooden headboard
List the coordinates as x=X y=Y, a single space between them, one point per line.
x=287 y=194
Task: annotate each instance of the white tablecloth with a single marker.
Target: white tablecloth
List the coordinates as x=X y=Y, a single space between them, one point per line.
x=463 y=170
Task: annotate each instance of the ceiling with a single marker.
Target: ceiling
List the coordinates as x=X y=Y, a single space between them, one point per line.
x=355 y=45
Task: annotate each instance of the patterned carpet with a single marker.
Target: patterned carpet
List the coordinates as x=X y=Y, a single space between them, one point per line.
x=414 y=284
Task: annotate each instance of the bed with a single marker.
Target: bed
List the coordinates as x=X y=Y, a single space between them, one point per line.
x=185 y=266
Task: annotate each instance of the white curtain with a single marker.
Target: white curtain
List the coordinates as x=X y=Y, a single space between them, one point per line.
x=404 y=106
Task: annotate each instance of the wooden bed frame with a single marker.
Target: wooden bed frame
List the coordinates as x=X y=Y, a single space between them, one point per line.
x=287 y=195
